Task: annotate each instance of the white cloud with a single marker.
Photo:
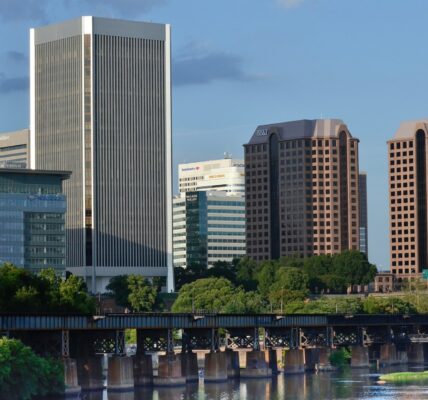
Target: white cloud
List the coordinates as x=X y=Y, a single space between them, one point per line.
x=289 y=3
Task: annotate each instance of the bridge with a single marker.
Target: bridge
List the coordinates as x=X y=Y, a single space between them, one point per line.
x=307 y=339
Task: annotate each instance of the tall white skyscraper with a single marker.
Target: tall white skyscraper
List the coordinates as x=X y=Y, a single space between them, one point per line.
x=101 y=107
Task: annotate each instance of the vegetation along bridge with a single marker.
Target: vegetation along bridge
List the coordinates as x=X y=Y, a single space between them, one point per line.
x=308 y=340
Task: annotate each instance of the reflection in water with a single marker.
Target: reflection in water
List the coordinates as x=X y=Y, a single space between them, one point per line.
x=350 y=384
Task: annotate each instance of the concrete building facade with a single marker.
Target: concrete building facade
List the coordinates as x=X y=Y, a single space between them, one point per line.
x=364 y=220
x=15 y=149
x=100 y=106
x=301 y=183
x=226 y=174
x=408 y=200
x=32 y=218
x=209 y=226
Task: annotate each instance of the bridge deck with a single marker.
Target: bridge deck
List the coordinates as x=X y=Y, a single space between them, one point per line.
x=10 y=322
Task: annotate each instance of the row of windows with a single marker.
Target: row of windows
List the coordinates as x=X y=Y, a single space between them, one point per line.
x=401 y=145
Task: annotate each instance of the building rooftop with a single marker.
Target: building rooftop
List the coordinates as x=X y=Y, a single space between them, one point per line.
x=407 y=129
x=300 y=129
x=25 y=171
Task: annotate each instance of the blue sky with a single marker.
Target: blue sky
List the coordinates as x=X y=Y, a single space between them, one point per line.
x=241 y=63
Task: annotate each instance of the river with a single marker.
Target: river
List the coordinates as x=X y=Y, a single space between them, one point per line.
x=345 y=385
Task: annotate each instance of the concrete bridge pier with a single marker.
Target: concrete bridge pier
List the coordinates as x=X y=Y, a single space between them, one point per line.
x=215 y=367
x=90 y=373
x=232 y=361
x=388 y=354
x=189 y=366
x=294 y=361
x=359 y=357
x=120 y=373
x=70 y=377
x=324 y=363
x=415 y=353
x=312 y=357
x=143 y=370
x=169 y=371
x=272 y=360
x=256 y=365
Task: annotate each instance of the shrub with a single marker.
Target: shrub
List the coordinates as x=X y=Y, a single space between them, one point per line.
x=23 y=374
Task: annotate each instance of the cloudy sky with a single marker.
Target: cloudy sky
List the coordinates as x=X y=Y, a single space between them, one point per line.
x=241 y=63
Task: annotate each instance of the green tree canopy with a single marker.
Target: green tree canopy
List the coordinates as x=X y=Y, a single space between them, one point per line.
x=24 y=375
x=23 y=291
x=354 y=267
x=387 y=305
x=216 y=295
x=119 y=289
x=142 y=294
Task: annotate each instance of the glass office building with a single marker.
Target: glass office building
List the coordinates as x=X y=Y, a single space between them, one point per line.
x=32 y=218
x=208 y=226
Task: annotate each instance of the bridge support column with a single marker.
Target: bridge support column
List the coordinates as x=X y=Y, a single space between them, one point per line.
x=90 y=373
x=359 y=357
x=312 y=357
x=256 y=365
x=272 y=360
x=189 y=366
x=70 y=377
x=294 y=361
x=388 y=354
x=120 y=373
x=215 y=367
x=415 y=353
x=324 y=363
x=232 y=361
x=169 y=371
x=143 y=370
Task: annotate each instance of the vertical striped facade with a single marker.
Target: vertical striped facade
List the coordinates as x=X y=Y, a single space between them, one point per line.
x=100 y=107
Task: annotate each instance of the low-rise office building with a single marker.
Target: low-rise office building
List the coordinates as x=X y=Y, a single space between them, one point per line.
x=15 y=149
x=208 y=226
x=226 y=175
x=32 y=218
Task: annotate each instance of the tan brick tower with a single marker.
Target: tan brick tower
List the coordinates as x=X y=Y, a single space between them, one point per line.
x=301 y=189
x=408 y=199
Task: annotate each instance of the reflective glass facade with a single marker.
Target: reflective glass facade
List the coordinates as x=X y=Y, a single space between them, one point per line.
x=32 y=210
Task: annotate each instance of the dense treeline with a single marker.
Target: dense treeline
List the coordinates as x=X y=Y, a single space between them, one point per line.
x=22 y=291
x=287 y=285
x=317 y=274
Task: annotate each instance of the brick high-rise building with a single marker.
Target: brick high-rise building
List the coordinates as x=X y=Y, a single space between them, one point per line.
x=301 y=189
x=408 y=199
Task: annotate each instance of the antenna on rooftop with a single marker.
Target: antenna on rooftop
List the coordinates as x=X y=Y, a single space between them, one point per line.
x=227 y=155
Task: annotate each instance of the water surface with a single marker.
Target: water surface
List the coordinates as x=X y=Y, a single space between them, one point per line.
x=346 y=385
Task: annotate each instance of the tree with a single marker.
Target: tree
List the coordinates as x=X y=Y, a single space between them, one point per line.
x=118 y=288
x=142 y=294
x=208 y=294
x=74 y=297
x=246 y=273
x=24 y=375
x=266 y=277
x=222 y=269
x=354 y=267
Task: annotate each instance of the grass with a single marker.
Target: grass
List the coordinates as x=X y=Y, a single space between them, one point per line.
x=404 y=377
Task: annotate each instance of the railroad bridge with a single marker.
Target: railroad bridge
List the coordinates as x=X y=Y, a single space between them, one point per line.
x=307 y=339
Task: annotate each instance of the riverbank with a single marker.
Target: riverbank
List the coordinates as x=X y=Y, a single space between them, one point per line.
x=404 y=377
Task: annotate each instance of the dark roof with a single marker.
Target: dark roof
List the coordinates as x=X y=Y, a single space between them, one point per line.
x=300 y=129
x=27 y=171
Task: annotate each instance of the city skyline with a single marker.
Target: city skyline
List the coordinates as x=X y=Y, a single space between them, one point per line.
x=380 y=86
